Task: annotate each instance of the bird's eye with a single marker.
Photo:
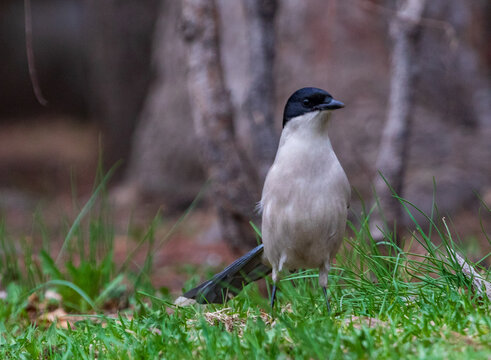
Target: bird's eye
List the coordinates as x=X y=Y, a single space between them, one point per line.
x=306 y=102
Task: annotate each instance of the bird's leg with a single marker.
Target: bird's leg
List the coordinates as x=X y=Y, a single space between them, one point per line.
x=327 y=300
x=274 y=275
x=273 y=295
x=323 y=272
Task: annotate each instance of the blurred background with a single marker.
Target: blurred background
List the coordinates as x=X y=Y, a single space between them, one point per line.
x=115 y=77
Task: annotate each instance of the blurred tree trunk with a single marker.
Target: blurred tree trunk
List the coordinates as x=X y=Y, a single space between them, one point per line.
x=164 y=165
x=259 y=105
x=464 y=88
x=457 y=44
x=392 y=158
x=235 y=183
x=120 y=42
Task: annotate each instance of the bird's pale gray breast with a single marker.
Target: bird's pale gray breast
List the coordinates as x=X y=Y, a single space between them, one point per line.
x=304 y=203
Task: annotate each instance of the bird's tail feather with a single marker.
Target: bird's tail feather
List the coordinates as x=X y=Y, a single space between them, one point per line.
x=232 y=279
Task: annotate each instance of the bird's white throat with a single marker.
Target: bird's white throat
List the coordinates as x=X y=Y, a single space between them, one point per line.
x=308 y=128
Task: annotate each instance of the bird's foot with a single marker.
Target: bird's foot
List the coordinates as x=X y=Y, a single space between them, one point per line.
x=327 y=300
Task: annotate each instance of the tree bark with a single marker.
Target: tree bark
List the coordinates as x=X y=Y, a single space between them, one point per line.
x=259 y=106
x=164 y=167
x=234 y=183
x=392 y=158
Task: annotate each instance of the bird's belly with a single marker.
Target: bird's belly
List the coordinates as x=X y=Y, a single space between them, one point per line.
x=305 y=228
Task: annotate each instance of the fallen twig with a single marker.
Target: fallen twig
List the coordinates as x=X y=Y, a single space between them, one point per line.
x=481 y=285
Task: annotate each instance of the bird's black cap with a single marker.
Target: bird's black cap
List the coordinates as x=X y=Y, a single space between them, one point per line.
x=307 y=100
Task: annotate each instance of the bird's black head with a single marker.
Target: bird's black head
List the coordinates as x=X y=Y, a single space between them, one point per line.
x=307 y=100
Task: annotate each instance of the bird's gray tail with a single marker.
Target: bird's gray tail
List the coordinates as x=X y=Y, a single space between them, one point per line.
x=232 y=280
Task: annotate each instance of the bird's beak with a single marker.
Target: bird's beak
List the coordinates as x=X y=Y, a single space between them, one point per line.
x=331 y=105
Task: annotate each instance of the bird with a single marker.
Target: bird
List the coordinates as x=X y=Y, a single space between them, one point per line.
x=304 y=204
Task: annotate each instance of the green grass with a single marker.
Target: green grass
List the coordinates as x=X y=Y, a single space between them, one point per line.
x=384 y=306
